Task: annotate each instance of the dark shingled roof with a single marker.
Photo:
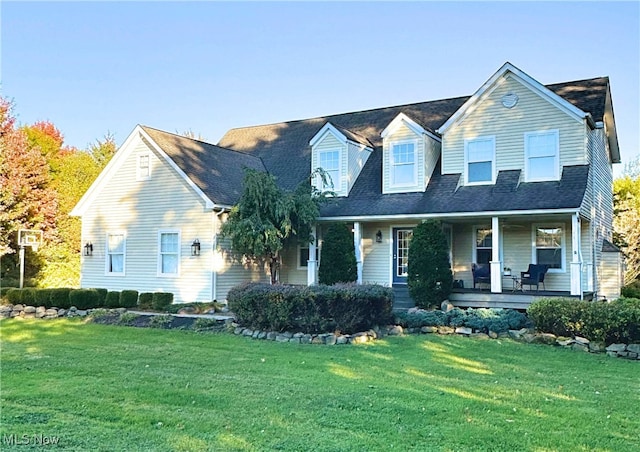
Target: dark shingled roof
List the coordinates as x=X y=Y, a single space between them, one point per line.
x=217 y=171
x=609 y=247
x=285 y=151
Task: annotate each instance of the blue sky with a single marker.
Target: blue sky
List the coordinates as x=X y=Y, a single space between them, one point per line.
x=98 y=67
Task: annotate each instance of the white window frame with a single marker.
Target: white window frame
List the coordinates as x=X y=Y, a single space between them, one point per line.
x=139 y=159
x=337 y=184
x=393 y=164
x=301 y=265
x=474 y=256
x=468 y=141
x=107 y=254
x=160 y=253
x=563 y=245
x=556 y=157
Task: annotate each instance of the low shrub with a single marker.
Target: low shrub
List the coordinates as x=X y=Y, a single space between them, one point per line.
x=614 y=322
x=29 y=296
x=60 y=297
x=112 y=300
x=145 y=300
x=84 y=298
x=14 y=296
x=3 y=294
x=43 y=298
x=161 y=300
x=631 y=290
x=482 y=320
x=102 y=297
x=347 y=308
x=160 y=321
x=128 y=299
x=127 y=318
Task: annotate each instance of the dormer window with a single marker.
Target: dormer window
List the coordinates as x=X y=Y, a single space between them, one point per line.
x=403 y=164
x=480 y=160
x=541 y=156
x=329 y=161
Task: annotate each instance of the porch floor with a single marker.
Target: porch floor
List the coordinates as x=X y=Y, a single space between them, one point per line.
x=476 y=298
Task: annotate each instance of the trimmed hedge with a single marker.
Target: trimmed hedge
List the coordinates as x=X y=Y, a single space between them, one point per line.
x=614 y=322
x=145 y=300
x=14 y=296
x=102 y=297
x=631 y=290
x=84 y=298
x=482 y=319
x=112 y=300
x=161 y=300
x=347 y=308
x=29 y=296
x=128 y=298
x=59 y=298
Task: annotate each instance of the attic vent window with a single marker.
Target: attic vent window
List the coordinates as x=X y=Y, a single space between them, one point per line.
x=510 y=100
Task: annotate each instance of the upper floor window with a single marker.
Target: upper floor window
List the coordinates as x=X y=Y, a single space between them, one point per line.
x=144 y=167
x=168 y=253
x=541 y=156
x=116 y=246
x=480 y=160
x=549 y=246
x=330 y=163
x=403 y=164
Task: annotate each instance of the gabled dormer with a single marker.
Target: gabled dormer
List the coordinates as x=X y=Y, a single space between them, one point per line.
x=342 y=154
x=409 y=154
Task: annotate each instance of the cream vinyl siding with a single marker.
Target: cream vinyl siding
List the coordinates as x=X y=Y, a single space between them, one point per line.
x=403 y=134
x=357 y=157
x=376 y=258
x=611 y=275
x=289 y=271
x=330 y=143
x=432 y=154
x=141 y=209
x=231 y=272
x=532 y=113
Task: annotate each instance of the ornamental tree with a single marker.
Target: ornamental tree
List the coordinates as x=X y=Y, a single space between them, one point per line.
x=429 y=270
x=268 y=218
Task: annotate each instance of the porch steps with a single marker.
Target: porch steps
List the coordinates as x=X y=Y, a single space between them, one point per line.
x=401 y=298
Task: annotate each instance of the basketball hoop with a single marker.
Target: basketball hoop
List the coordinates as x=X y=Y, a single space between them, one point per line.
x=27 y=237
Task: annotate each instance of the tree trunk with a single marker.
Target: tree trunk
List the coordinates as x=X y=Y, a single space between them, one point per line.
x=274 y=264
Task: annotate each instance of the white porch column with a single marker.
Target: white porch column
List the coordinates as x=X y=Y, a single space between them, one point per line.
x=312 y=264
x=357 y=242
x=496 y=265
x=576 y=264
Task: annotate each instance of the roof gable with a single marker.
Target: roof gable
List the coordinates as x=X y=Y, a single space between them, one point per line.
x=403 y=119
x=496 y=79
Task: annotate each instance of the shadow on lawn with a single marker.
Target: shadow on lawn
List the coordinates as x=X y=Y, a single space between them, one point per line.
x=14 y=331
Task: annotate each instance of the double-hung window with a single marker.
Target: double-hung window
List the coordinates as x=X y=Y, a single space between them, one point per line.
x=403 y=164
x=144 y=167
x=116 y=246
x=483 y=245
x=330 y=163
x=549 y=246
x=168 y=253
x=541 y=156
x=480 y=160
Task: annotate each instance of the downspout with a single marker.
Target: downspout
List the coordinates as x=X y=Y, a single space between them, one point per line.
x=214 y=270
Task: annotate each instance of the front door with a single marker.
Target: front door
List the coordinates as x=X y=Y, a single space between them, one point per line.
x=401 y=240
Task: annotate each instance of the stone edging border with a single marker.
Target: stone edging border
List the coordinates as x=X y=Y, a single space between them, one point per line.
x=627 y=351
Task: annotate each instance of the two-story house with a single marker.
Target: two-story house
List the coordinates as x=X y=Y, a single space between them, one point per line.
x=518 y=173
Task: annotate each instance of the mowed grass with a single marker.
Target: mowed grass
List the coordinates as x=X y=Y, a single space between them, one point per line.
x=117 y=388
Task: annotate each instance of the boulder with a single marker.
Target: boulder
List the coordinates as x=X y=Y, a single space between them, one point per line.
x=580 y=347
x=545 y=338
x=81 y=312
x=40 y=309
x=29 y=310
x=306 y=339
x=582 y=340
x=429 y=329
x=445 y=330
x=295 y=340
x=272 y=335
x=634 y=348
x=282 y=338
x=331 y=339
x=463 y=330
x=319 y=340
x=493 y=335
x=615 y=348
x=238 y=330
x=262 y=335
x=343 y=339
x=247 y=332
x=596 y=347
x=255 y=334
x=395 y=330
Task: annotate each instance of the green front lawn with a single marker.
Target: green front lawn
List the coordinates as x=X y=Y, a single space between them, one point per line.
x=117 y=388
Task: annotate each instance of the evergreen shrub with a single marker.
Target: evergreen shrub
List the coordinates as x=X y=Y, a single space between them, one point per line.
x=128 y=299
x=29 y=296
x=145 y=300
x=14 y=296
x=338 y=263
x=43 y=298
x=161 y=300
x=60 y=297
x=112 y=300
x=84 y=298
x=102 y=296
x=631 y=290
x=481 y=319
x=429 y=270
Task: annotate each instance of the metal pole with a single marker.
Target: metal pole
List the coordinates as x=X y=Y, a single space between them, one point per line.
x=21 y=266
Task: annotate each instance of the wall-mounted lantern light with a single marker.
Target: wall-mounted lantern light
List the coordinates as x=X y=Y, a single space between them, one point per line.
x=195 y=248
x=88 y=249
x=379 y=236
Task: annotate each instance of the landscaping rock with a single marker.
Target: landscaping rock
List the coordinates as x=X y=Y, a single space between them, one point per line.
x=446 y=306
x=546 y=338
x=615 y=348
x=187 y=310
x=596 y=347
x=395 y=330
x=295 y=340
x=463 y=330
x=482 y=336
x=18 y=307
x=262 y=335
x=247 y=332
x=528 y=337
x=51 y=313
x=580 y=347
x=81 y=312
x=445 y=330
x=342 y=339
x=564 y=341
x=255 y=334
x=28 y=315
x=515 y=334
x=298 y=335
x=330 y=339
x=582 y=340
x=271 y=336
x=319 y=340
x=493 y=335
x=632 y=355
x=238 y=330
x=282 y=338
x=634 y=348
x=363 y=339
x=306 y=339
x=29 y=310
x=429 y=329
